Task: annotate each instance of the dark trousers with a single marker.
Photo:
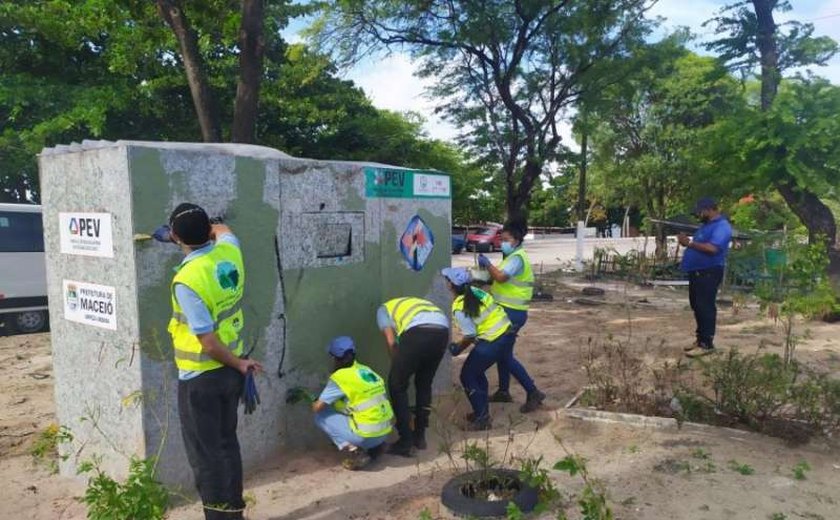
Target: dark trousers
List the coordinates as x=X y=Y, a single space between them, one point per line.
x=207 y=406
x=509 y=364
x=702 y=292
x=473 y=378
x=418 y=354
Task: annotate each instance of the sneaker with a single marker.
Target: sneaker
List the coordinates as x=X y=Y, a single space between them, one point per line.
x=375 y=453
x=689 y=348
x=534 y=401
x=420 y=439
x=479 y=425
x=501 y=396
x=356 y=459
x=400 y=448
x=700 y=352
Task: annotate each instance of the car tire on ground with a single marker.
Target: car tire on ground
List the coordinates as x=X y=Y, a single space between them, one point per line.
x=526 y=497
x=29 y=322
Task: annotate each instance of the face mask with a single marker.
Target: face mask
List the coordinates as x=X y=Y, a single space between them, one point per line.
x=507 y=248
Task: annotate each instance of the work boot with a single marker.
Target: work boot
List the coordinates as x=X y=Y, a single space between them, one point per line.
x=420 y=439
x=533 y=402
x=689 y=348
x=401 y=448
x=356 y=459
x=501 y=396
x=479 y=425
x=376 y=452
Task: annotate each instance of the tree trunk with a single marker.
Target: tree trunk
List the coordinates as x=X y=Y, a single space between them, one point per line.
x=766 y=43
x=251 y=50
x=173 y=14
x=581 y=202
x=520 y=195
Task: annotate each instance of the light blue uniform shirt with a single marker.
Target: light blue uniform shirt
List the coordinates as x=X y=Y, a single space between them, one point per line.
x=513 y=267
x=331 y=393
x=193 y=307
x=467 y=325
x=384 y=319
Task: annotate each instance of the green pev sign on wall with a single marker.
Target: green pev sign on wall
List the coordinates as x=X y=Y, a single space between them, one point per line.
x=406 y=184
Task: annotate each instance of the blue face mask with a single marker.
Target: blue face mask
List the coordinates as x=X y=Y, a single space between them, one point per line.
x=507 y=248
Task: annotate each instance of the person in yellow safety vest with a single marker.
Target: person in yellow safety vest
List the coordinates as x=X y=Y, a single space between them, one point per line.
x=206 y=327
x=353 y=409
x=484 y=324
x=513 y=288
x=416 y=332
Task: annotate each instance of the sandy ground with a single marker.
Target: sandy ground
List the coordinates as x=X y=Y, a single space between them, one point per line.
x=649 y=473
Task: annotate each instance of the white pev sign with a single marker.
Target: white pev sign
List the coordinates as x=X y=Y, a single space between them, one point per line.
x=86 y=234
x=90 y=304
x=427 y=185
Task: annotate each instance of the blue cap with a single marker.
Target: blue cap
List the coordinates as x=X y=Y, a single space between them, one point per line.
x=704 y=203
x=457 y=275
x=340 y=346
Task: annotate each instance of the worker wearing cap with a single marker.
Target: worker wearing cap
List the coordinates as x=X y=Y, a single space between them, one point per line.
x=353 y=409
x=513 y=288
x=206 y=328
x=416 y=332
x=703 y=261
x=485 y=326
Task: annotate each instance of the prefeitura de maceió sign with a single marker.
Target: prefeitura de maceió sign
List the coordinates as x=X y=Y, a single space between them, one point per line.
x=90 y=304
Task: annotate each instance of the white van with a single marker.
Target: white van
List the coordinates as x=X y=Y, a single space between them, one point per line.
x=23 y=274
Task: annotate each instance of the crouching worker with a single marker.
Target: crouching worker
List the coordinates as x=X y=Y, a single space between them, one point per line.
x=353 y=409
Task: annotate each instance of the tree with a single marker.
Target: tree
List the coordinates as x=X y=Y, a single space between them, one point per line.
x=649 y=149
x=506 y=70
x=751 y=38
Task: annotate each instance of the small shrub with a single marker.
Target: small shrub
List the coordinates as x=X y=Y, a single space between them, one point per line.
x=512 y=512
x=140 y=497
x=425 y=514
x=593 y=499
x=800 y=469
x=700 y=453
x=473 y=453
x=45 y=447
x=743 y=469
x=536 y=476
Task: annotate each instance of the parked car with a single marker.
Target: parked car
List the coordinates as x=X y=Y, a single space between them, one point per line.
x=488 y=238
x=23 y=272
x=459 y=240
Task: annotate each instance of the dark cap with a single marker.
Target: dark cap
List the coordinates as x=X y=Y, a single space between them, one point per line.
x=191 y=223
x=704 y=203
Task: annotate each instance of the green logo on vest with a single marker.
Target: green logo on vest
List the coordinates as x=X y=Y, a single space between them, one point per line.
x=227 y=276
x=368 y=376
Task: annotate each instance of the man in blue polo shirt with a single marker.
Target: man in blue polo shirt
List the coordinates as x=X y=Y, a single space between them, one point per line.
x=703 y=262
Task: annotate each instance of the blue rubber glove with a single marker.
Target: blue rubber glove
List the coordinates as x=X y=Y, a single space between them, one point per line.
x=455 y=349
x=484 y=262
x=162 y=234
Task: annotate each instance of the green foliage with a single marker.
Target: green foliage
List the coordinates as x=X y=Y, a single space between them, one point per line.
x=538 y=477
x=512 y=512
x=743 y=469
x=700 y=453
x=140 y=496
x=778 y=516
x=46 y=447
x=425 y=514
x=800 y=469
x=475 y=454
x=593 y=500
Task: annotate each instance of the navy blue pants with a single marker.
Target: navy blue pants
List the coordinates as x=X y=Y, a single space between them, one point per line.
x=702 y=293
x=473 y=374
x=511 y=365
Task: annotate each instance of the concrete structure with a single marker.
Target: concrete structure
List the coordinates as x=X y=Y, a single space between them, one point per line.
x=324 y=243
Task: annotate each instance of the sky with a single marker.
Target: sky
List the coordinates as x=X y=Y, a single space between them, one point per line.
x=390 y=83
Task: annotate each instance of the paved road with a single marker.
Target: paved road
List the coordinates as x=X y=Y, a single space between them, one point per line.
x=553 y=253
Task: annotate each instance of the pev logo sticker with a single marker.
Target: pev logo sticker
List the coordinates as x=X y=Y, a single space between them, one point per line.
x=86 y=234
x=90 y=304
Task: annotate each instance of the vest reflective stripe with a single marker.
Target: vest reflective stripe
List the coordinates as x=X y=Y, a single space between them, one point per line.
x=182 y=318
x=403 y=310
x=367 y=403
x=200 y=357
x=492 y=321
x=218 y=278
x=370 y=403
x=517 y=291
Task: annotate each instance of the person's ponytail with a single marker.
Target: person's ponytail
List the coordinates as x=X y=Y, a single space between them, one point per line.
x=472 y=303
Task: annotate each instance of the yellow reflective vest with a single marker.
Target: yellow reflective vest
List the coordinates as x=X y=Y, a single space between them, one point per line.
x=492 y=321
x=403 y=310
x=366 y=403
x=517 y=291
x=218 y=278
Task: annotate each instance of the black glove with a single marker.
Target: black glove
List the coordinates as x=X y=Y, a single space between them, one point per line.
x=455 y=349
